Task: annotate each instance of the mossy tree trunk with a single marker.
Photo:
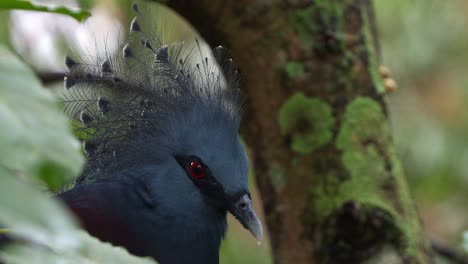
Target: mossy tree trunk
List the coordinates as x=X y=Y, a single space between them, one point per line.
x=332 y=186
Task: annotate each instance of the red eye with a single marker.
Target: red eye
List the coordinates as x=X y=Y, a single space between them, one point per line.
x=196 y=170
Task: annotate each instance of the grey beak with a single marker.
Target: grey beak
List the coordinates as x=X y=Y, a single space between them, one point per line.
x=243 y=211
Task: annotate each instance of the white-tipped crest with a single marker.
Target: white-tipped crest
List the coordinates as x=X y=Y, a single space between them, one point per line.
x=143 y=86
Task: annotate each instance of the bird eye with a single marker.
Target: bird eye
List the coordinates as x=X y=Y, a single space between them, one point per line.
x=196 y=170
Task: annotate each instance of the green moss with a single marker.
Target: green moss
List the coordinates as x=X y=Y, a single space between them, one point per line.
x=302 y=19
x=363 y=135
x=365 y=127
x=308 y=121
x=369 y=158
x=294 y=69
x=363 y=121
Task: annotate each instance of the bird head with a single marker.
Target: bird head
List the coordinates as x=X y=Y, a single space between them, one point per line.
x=213 y=159
x=149 y=106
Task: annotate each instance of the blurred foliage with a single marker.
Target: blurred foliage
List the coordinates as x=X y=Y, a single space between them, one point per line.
x=424 y=44
x=46 y=231
x=92 y=251
x=239 y=247
x=419 y=36
x=78 y=14
x=38 y=146
x=4 y=31
x=465 y=241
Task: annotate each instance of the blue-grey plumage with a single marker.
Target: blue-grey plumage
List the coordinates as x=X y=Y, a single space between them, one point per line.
x=165 y=162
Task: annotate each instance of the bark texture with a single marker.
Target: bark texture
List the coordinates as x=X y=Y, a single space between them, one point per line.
x=332 y=187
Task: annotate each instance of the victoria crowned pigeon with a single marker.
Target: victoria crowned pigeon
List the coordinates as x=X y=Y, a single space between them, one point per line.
x=164 y=160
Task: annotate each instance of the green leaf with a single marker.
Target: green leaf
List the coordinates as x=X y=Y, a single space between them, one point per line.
x=48 y=234
x=37 y=142
x=94 y=252
x=35 y=139
x=76 y=13
x=32 y=216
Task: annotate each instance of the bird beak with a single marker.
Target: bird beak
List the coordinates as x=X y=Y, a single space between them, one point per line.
x=243 y=211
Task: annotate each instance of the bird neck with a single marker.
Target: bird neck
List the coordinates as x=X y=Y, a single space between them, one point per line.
x=185 y=240
x=180 y=227
x=195 y=242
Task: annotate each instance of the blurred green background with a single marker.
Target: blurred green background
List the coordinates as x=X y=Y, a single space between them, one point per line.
x=424 y=43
